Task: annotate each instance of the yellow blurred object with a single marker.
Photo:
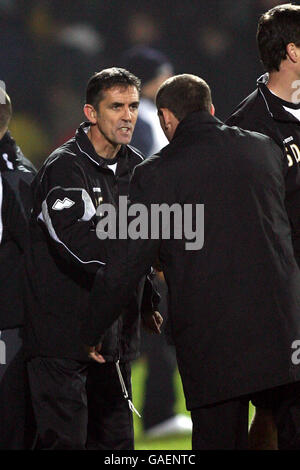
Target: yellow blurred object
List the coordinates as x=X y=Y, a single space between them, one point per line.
x=30 y=137
x=40 y=21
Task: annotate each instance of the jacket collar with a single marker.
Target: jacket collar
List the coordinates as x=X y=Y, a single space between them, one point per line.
x=274 y=104
x=86 y=147
x=7 y=139
x=193 y=120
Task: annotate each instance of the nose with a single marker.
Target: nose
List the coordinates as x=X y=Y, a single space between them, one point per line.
x=126 y=114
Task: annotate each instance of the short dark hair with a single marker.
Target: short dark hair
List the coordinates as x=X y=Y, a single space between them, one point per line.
x=5 y=110
x=277 y=28
x=184 y=94
x=108 y=78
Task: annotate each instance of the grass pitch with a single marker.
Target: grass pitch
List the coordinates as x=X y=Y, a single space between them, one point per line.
x=173 y=442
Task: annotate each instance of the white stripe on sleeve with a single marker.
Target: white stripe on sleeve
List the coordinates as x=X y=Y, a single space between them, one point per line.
x=89 y=208
x=46 y=219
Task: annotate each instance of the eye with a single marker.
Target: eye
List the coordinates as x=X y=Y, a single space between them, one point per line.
x=134 y=107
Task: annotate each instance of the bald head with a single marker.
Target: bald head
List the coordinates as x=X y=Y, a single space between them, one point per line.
x=5 y=112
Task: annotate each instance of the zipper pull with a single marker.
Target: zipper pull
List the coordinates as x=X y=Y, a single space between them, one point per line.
x=124 y=390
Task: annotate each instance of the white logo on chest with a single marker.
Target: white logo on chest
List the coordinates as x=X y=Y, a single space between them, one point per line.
x=65 y=204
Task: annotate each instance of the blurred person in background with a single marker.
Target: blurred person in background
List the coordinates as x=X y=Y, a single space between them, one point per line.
x=16 y=175
x=66 y=40
x=214 y=36
x=18 y=54
x=153 y=68
x=158 y=415
x=274 y=109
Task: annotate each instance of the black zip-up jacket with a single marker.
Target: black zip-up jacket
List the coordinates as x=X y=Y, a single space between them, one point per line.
x=66 y=253
x=16 y=174
x=263 y=112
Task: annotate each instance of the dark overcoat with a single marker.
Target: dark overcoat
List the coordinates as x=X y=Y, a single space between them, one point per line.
x=234 y=303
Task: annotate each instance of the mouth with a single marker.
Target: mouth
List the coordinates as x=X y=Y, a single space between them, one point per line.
x=125 y=129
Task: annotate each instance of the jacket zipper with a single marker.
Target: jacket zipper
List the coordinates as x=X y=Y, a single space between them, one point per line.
x=122 y=383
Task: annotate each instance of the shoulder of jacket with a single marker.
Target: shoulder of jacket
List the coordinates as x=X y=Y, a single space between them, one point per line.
x=135 y=153
x=13 y=161
x=150 y=165
x=64 y=155
x=253 y=137
x=61 y=161
x=247 y=108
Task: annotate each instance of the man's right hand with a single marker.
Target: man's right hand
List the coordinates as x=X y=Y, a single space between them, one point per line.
x=152 y=323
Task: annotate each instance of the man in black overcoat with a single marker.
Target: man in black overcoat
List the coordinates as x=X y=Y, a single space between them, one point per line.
x=232 y=276
x=274 y=109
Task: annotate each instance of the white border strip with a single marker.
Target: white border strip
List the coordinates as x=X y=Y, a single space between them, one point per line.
x=1 y=200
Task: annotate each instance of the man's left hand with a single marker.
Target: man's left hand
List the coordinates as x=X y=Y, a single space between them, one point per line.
x=153 y=322
x=94 y=353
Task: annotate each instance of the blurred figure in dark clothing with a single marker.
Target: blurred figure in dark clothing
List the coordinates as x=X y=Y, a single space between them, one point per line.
x=16 y=174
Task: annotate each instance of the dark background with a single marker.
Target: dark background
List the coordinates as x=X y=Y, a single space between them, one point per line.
x=49 y=49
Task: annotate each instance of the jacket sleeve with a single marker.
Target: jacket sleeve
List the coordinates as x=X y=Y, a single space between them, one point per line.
x=264 y=125
x=150 y=295
x=69 y=215
x=129 y=260
x=267 y=126
x=13 y=240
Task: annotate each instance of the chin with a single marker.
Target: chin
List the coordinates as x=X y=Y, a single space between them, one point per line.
x=126 y=141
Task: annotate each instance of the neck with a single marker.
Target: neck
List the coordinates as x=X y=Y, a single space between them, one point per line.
x=102 y=146
x=281 y=84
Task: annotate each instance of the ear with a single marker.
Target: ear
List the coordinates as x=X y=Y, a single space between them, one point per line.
x=292 y=52
x=90 y=113
x=168 y=122
x=165 y=118
x=212 y=110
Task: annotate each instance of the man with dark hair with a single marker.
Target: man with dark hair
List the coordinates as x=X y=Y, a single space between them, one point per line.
x=76 y=405
x=16 y=174
x=106 y=79
x=274 y=110
x=234 y=296
x=277 y=30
